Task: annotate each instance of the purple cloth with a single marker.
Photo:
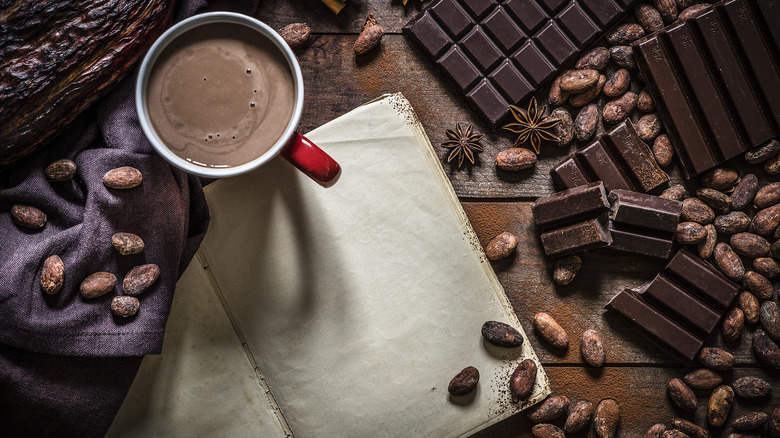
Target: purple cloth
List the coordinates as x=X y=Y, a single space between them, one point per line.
x=66 y=362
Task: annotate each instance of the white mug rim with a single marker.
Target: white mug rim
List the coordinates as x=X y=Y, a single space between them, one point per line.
x=170 y=35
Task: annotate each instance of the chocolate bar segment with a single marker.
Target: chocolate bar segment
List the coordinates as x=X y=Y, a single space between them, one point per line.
x=581 y=236
x=641 y=240
x=702 y=279
x=537 y=38
x=600 y=163
x=681 y=305
x=571 y=205
x=643 y=210
x=635 y=157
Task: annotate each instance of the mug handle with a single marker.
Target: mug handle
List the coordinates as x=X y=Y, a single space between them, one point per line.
x=311 y=160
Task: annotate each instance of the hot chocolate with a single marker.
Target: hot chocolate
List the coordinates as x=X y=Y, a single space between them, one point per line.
x=221 y=95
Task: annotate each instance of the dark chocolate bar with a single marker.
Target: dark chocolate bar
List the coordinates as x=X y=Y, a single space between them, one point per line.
x=714 y=80
x=618 y=158
x=588 y=234
x=642 y=241
x=499 y=54
x=571 y=205
x=643 y=210
x=702 y=279
x=682 y=306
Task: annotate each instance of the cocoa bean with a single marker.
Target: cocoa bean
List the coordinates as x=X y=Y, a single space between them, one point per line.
x=623 y=57
x=656 y=431
x=751 y=387
x=556 y=96
x=584 y=98
x=566 y=268
x=625 y=34
x=715 y=199
x=644 y=102
x=706 y=247
x=734 y=222
x=553 y=407
x=546 y=430
x=690 y=233
x=125 y=306
x=775 y=249
x=369 y=38
x=501 y=334
x=140 y=278
x=719 y=406
x=681 y=395
x=592 y=349
x=695 y=210
x=667 y=9
x=750 y=306
x=759 y=285
x=464 y=382
x=770 y=319
x=767 y=196
x=565 y=129
x=515 y=159
x=663 y=151
x=122 y=178
x=767 y=267
x=674 y=433
x=648 y=127
x=606 y=419
x=60 y=170
x=296 y=35
x=551 y=331
x=649 y=18
x=766 y=349
x=127 y=243
x=523 y=379
x=744 y=192
x=577 y=81
x=690 y=429
x=586 y=122
x=618 y=109
x=703 y=378
x=772 y=166
x=749 y=245
x=693 y=11
x=595 y=59
x=97 y=284
x=716 y=358
x=52 y=275
x=763 y=153
x=28 y=217
x=617 y=84
x=733 y=323
x=749 y=421
x=675 y=192
x=501 y=246
x=579 y=416
x=720 y=178
x=728 y=262
x=682 y=4
x=744 y=435
x=773 y=427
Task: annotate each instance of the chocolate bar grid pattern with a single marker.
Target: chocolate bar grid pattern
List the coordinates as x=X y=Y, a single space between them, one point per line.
x=499 y=53
x=715 y=81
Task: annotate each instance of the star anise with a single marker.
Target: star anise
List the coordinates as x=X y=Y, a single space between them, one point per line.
x=463 y=144
x=532 y=125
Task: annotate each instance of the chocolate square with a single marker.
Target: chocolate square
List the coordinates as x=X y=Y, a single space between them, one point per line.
x=534 y=63
x=452 y=16
x=503 y=30
x=579 y=25
x=478 y=7
x=555 y=42
x=481 y=48
x=511 y=82
x=485 y=97
x=459 y=68
x=429 y=35
x=606 y=12
x=528 y=13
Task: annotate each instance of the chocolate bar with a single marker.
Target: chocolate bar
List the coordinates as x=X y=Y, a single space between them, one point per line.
x=714 y=80
x=702 y=279
x=570 y=205
x=618 y=158
x=640 y=240
x=643 y=210
x=499 y=54
x=580 y=236
x=679 y=304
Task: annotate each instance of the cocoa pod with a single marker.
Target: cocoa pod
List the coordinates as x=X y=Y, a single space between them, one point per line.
x=663 y=150
x=625 y=34
x=766 y=221
x=749 y=245
x=296 y=35
x=733 y=323
x=759 y=285
x=772 y=166
x=675 y=192
x=695 y=210
x=606 y=419
x=706 y=247
x=546 y=430
x=577 y=81
x=716 y=359
x=649 y=18
x=751 y=387
x=728 y=262
x=750 y=306
x=140 y=278
x=644 y=102
x=693 y=11
x=648 y=127
x=592 y=349
x=720 y=178
x=667 y=9
x=556 y=96
x=766 y=349
x=125 y=306
x=551 y=331
x=767 y=196
x=703 y=378
x=579 y=416
x=97 y=284
x=719 y=405
x=566 y=268
x=515 y=159
x=734 y=222
x=565 y=129
x=122 y=178
x=501 y=246
x=715 y=199
x=464 y=382
x=617 y=84
x=674 y=433
x=690 y=429
x=127 y=243
x=767 y=267
x=773 y=427
x=618 y=109
x=369 y=38
x=595 y=59
x=592 y=92
x=553 y=407
x=623 y=57
x=770 y=319
x=28 y=217
x=656 y=431
x=60 y=170
x=689 y=233
x=763 y=153
x=586 y=122
x=523 y=379
x=681 y=395
x=501 y=334
x=52 y=275
x=744 y=192
x=749 y=421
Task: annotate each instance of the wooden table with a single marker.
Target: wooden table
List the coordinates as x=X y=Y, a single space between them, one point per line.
x=636 y=372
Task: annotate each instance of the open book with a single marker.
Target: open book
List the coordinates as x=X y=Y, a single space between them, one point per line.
x=340 y=312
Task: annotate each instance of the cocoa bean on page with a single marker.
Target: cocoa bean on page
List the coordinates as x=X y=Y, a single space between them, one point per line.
x=122 y=178
x=618 y=109
x=60 y=170
x=772 y=166
x=501 y=246
x=623 y=57
x=625 y=34
x=720 y=178
x=749 y=421
x=296 y=35
x=140 y=278
x=579 y=416
x=648 y=127
x=759 y=285
x=774 y=250
x=667 y=9
x=689 y=428
x=749 y=245
x=706 y=247
x=553 y=407
x=693 y=11
x=773 y=426
x=501 y=334
x=464 y=382
x=675 y=192
x=734 y=222
x=565 y=269
x=52 y=275
x=728 y=262
x=770 y=319
x=590 y=93
x=577 y=81
x=97 y=285
x=681 y=395
x=763 y=153
x=617 y=84
x=546 y=430
x=515 y=159
x=674 y=433
x=733 y=323
x=28 y=217
x=767 y=196
x=695 y=210
x=703 y=378
x=606 y=418
x=689 y=233
x=595 y=59
x=127 y=243
x=766 y=349
x=663 y=150
x=716 y=358
x=551 y=331
x=751 y=387
x=565 y=129
x=656 y=431
x=523 y=379
x=750 y=306
x=744 y=192
x=767 y=267
x=556 y=96
x=649 y=18
x=586 y=122
x=714 y=198
x=719 y=405
x=125 y=306
x=592 y=349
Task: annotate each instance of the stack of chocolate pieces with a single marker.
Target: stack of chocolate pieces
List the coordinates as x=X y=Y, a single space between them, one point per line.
x=618 y=158
x=573 y=220
x=643 y=224
x=714 y=80
x=681 y=306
